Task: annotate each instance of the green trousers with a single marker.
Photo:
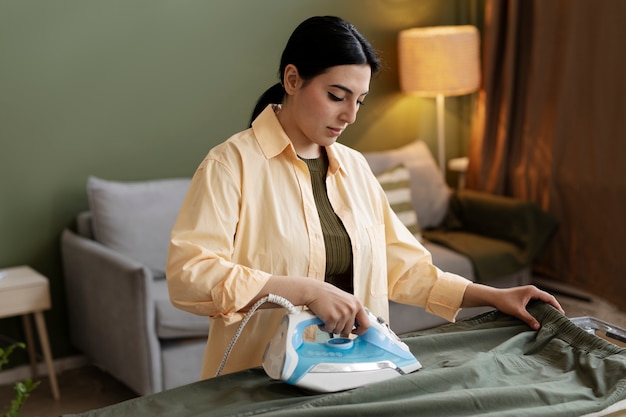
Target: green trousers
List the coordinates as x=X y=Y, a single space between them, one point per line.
x=491 y=365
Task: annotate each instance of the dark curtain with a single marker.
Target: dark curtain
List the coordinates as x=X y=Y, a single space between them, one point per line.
x=548 y=128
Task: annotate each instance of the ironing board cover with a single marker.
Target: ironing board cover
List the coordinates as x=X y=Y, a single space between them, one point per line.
x=490 y=365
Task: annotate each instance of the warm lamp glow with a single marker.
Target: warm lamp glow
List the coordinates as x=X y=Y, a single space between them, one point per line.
x=439 y=60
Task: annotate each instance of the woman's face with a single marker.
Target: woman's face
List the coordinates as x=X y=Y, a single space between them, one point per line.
x=318 y=110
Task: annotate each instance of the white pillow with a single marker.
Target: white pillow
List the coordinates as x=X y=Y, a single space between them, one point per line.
x=136 y=218
x=395 y=183
x=429 y=191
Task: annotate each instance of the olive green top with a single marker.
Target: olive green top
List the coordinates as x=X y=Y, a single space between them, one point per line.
x=336 y=239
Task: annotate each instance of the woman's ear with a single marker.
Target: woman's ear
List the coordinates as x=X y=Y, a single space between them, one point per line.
x=291 y=79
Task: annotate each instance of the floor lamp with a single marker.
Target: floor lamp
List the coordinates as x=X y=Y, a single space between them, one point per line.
x=437 y=62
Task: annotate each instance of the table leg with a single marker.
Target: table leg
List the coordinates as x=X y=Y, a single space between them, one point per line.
x=30 y=346
x=45 y=347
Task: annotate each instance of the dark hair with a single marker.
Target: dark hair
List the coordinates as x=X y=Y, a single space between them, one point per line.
x=315 y=45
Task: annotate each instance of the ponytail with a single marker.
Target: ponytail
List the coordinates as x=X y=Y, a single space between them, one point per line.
x=274 y=95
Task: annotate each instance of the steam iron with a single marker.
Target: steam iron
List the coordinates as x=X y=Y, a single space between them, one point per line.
x=340 y=363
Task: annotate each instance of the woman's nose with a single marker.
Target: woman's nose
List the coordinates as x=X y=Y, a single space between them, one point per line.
x=349 y=114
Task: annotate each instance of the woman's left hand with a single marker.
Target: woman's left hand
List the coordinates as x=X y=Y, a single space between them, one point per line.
x=512 y=301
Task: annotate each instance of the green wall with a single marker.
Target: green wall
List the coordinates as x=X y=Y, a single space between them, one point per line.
x=141 y=89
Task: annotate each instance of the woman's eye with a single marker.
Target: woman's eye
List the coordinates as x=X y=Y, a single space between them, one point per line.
x=334 y=97
x=339 y=99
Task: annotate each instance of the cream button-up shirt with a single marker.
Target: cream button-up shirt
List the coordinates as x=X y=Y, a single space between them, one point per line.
x=250 y=214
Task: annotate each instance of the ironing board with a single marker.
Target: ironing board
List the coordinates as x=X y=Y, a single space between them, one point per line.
x=491 y=364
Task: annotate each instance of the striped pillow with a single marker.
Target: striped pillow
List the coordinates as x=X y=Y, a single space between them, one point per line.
x=397 y=187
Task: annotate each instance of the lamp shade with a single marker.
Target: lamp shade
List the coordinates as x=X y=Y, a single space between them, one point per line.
x=439 y=60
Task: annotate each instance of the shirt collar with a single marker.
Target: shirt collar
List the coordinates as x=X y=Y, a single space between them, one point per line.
x=270 y=134
x=273 y=140
x=334 y=161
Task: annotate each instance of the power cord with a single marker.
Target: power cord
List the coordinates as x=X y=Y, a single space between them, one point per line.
x=270 y=298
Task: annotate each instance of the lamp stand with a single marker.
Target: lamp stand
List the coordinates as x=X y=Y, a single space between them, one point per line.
x=441 y=135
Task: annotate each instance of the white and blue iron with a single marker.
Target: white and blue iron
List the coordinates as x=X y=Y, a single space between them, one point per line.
x=340 y=363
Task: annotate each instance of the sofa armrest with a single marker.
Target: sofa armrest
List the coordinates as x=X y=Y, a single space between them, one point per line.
x=111 y=311
x=517 y=221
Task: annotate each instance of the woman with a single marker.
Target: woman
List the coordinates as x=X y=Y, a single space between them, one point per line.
x=282 y=208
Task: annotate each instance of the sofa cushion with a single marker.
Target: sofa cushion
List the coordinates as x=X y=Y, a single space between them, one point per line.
x=429 y=191
x=449 y=260
x=136 y=218
x=173 y=323
x=396 y=184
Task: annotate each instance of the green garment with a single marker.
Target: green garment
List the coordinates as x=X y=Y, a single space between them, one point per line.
x=490 y=365
x=337 y=243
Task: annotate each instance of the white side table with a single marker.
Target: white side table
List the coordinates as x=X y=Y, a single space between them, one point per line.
x=23 y=291
x=459 y=165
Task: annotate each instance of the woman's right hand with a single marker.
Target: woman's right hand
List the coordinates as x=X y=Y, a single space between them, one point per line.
x=339 y=310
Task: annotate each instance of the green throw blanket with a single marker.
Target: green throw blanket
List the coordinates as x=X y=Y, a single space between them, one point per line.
x=500 y=235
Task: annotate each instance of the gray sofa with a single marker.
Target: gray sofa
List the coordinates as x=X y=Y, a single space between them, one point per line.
x=114 y=259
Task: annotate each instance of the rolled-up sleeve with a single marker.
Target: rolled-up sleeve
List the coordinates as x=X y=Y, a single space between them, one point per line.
x=412 y=277
x=446 y=296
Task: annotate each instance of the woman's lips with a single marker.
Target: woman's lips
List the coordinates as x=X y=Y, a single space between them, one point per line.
x=335 y=131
